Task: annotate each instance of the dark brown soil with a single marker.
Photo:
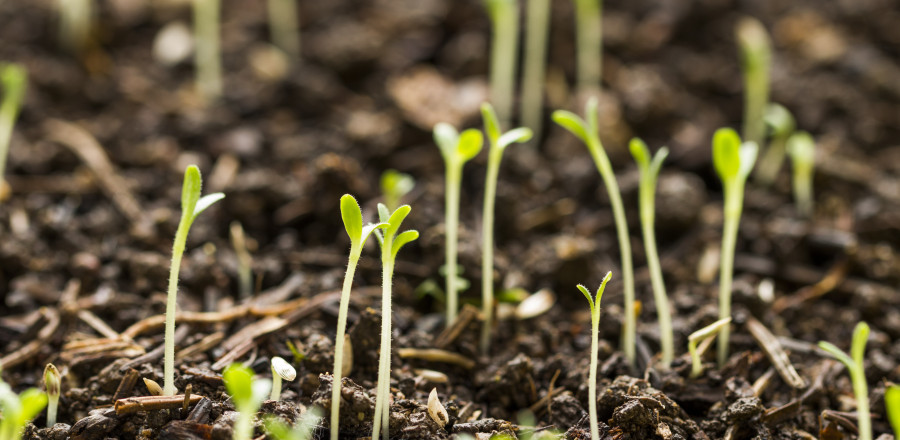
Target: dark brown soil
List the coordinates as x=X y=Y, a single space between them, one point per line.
x=80 y=243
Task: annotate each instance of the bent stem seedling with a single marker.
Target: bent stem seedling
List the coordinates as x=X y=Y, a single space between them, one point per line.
x=589 y=42
x=390 y=242
x=14 y=79
x=248 y=393
x=756 y=60
x=207 y=60
x=781 y=124
x=498 y=143
x=587 y=131
x=595 y=343
x=531 y=110
x=191 y=206
x=702 y=336
x=353 y=223
x=504 y=51
x=892 y=407
x=801 y=147
x=733 y=162
x=456 y=149
x=854 y=364
x=649 y=169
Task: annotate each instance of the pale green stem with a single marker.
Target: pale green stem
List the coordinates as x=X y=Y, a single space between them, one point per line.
x=756 y=95
x=656 y=279
x=734 y=194
x=206 y=55
x=453 y=183
x=355 y=252
x=9 y=111
x=589 y=39
x=531 y=110
x=770 y=163
x=487 y=248
x=283 y=26
x=592 y=373
x=52 y=405
x=803 y=191
x=75 y=23
x=243 y=426
x=169 y=361
x=860 y=389
x=382 y=403
x=504 y=51
x=275 y=394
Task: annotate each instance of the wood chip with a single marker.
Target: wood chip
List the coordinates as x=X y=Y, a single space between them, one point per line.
x=776 y=354
x=436 y=355
x=152 y=403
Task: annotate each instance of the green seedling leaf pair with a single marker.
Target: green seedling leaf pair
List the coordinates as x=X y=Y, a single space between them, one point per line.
x=247 y=393
x=18 y=410
x=703 y=336
x=595 y=344
x=498 y=142
x=801 y=147
x=854 y=364
x=781 y=125
x=587 y=131
x=733 y=162
x=14 y=79
x=191 y=206
x=395 y=185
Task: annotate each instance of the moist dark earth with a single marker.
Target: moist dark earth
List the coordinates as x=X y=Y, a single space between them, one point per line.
x=98 y=154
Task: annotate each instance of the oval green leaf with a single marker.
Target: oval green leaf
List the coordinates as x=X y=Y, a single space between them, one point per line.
x=446 y=138
x=352 y=217
x=726 y=157
x=516 y=135
x=402 y=239
x=491 y=123
x=572 y=122
x=470 y=142
x=190 y=192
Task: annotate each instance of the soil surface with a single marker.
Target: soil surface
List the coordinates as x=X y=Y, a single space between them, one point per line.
x=95 y=172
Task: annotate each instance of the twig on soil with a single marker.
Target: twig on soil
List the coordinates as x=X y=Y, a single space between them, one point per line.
x=435 y=355
x=157 y=352
x=98 y=324
x=129 y=380
x=776 y=354
x=27 y=351
x=763 y=382
x=543 y=402
x=449 y=334
x=835 y=275
x=254 y=330
x=152 y=403
x=208 y=342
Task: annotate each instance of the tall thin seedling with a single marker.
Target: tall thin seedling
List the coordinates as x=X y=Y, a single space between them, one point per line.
x=504 y=53
x=854 y=364
x=534 y=67
x=14 y=79
x=595 y=332
x=207 y=59
x=589 y=46
x=756 y=60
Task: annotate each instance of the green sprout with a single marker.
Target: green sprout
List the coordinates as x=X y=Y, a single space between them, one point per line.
x=191 y=206
x=589 y=42
x=18 y=410
x=390 y=242
x=504 y=50
x=892 y=406
x=52 y=380
x=353 y=223
x=498 y=143
x=207 y=60
x=395 y=185
x=801 y=147
x=75 y=18
x=595 y=332
x=456 y=149
x=733 y=162
x=854 y=364
x=248 y=393
x=649 y=167
x=587 y=131
x=531 y=111
x=756 y=60
x=704 y=335
x=14 y=79
x=303 y=430
x=281 y=369
x=283 y=26
x=781 y=125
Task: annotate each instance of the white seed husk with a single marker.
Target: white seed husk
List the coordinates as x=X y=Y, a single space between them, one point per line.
x=536 y=304
x=153 y=387
x=436 y=409
x=283 y=369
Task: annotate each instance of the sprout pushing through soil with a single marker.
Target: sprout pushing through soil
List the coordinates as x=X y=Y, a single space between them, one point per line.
x=13 y=78
x=75 y=17
x=595 y=332
x=854 y=364
x=498 y=142
x=531 y=109
x=281 y=369
x=801 y=147
x=207 y=59
x=733 y=162
x=391 y=243
x=704 y=335
x=781 y=125
x=191 y=206
x=353 y=223
x=504 y=51
x=18 y=410
x=247 y=393
x=892 y=407
x=395 y=185
x=589 y=43
x=302 y=430
x=283 y=26
x=756 y=56
x=456 y=149
x=587 y=131
x=649 y=167
x=52 y=382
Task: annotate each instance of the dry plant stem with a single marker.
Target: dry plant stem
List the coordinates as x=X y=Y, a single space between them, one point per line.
x=206 y=55
x=504 y=51
x=532 y=106
x=283 y=26
x=451 y=207
x=589 y=39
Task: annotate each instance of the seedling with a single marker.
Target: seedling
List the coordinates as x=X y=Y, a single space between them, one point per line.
x=456 y=149
x=756 y=60
x=854 y=364
x=191 y=206
x=353 y=223
x=52 y=381
x=390 y=242
x=303 y=430
x=18 y=410
x=395 y=185
x=892 y=407
x=733 y=162
x=589 y=42
x=587 y=131
x=801 y=147
x=649 y=168
x=248 y=393
x=531 y=110
x=14 y=79
x=781 y=125
x=75 y=18
x=504 y=50
x=704 y=336
x=283 y=26
x=281 y=369
x=207 y=59
x=498 y=143
x=595 y=350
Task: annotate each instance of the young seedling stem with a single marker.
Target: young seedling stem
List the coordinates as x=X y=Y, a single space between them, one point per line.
x=498 y=143
x=391 y=243
x=504 y=51
x=75 y=18
x=588 y=132
x=704 y=334
x=531 y=111
x=801 y=147
x=245 y=261
x=351 y=214
x=733 y=162
x=52 y=383
x=781 y=124
x=595 y=343
x=854 y=364
x=650 y=167
x=281 y=369
x=207 y=59
x=283 y=26
x=892 y=407
x=456 y=149
x=191 y=206
x=589 y=42
x=18 y=409
x=14 y=79
x=756 y=60
x=247 y=393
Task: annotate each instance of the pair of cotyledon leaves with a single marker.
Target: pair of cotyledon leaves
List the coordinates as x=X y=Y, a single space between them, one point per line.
x=191 y=202
x=389 y=224
x=459 y=148
x=246 y=391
